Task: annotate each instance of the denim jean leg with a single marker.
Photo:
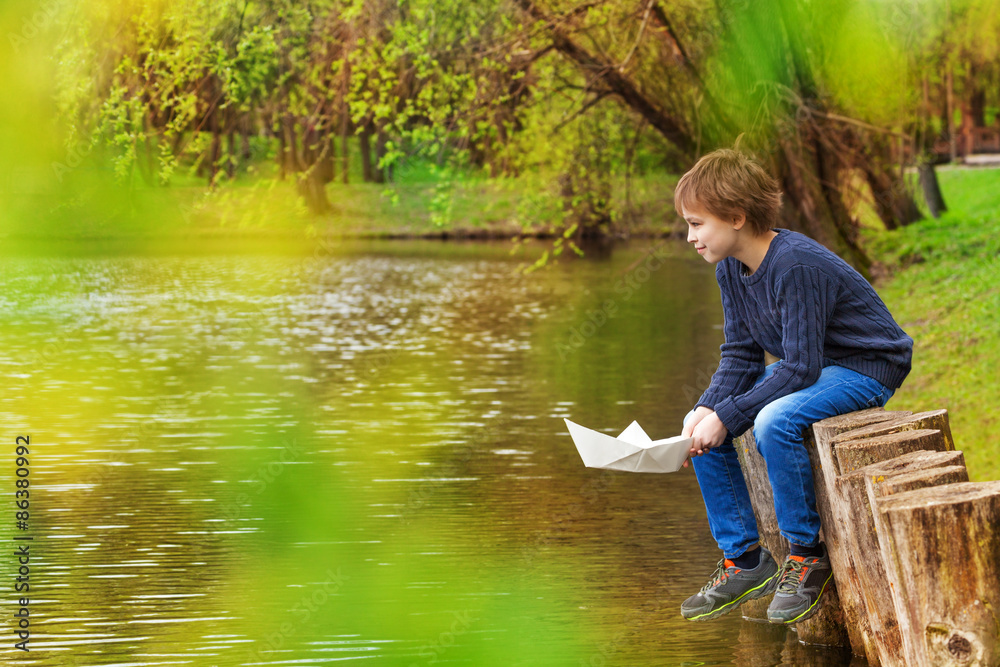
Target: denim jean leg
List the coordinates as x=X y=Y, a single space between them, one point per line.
x=778 y=430
x=727 y=500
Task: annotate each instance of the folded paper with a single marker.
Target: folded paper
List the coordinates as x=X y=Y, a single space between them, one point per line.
x=632 y=450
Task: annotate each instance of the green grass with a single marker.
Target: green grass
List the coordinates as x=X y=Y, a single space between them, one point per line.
x=944 y=291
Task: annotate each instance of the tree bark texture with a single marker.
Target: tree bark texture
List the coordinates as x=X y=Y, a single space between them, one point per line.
x=906 y=473
x=946 y=545
x=835 y=517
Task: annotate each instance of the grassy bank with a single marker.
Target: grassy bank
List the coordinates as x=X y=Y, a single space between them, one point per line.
x=944 y=290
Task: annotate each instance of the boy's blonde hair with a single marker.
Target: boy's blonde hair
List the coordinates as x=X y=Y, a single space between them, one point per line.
x=726 y=182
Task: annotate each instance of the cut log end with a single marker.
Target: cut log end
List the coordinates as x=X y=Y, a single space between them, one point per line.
x=946 y=541
x=856 y=454
x=914 y=461
x=931 y=419
x=834 y=426
x=940 y=495
x=919 y=479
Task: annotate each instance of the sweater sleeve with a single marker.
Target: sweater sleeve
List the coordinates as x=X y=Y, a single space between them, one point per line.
x=805 y=298
x=742 y=358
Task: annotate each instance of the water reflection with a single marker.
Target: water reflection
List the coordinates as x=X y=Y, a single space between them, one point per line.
x=271 y=458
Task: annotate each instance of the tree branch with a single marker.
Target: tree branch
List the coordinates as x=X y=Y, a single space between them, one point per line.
x=638 y=39
x=615 y=80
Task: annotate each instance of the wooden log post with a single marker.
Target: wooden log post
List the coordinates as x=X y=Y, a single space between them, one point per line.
x=882 y=639
x=827 y=626
x=906 y=473
x=946 y=544
x=755 y=475
x=846 y=451
x=835 y=520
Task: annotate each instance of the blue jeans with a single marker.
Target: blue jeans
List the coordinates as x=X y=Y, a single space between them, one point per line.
x=778 y=430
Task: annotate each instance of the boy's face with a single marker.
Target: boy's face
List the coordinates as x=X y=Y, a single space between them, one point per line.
x=713 y=238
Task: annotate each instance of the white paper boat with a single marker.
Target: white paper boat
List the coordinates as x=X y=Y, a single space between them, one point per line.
x=632 y=450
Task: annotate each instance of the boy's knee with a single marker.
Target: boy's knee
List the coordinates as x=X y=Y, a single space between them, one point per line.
x=770 y=422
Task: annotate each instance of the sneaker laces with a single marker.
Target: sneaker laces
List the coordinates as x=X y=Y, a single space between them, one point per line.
x=794 y=572
x=720 y=576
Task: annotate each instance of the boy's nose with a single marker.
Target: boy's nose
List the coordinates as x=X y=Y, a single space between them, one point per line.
x=691 y=236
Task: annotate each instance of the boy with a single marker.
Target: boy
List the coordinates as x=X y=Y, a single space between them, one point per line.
x=839 y=348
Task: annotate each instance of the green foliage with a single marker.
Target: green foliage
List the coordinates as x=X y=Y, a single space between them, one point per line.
x=168 y=91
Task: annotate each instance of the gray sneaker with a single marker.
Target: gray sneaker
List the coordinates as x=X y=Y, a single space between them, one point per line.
x=801 y=585
x=730 y=587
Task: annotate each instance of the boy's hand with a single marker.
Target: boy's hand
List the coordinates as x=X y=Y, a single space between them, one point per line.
x=699 y=413
x=710 y=432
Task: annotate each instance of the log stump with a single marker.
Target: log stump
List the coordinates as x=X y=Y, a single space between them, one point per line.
x=835 y=517
x=906 y=473
x=947 y=541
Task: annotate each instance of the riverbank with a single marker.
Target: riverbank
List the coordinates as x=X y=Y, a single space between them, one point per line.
x=90 y=205
x=942 y=283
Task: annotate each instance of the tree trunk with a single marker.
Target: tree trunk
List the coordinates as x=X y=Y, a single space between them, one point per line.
x=364 y=145
x=281 y=156
x=214 y=153
x=331 y=156
x=893 y=202
x=932 y=192
x=977 y=106
x=946 y=545
x=616 y=80
x=950 y=113
x=312 y=189
x=246 y=153
x=345 y=152
x=233 y=152
x=799 y=167
x=382 y=173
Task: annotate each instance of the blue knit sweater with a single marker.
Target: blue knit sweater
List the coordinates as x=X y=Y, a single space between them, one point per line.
x=808 y=307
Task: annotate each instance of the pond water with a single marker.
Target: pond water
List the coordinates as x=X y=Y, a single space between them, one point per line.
x=267 y=456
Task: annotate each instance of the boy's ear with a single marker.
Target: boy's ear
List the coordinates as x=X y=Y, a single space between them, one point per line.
x=739 y=219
